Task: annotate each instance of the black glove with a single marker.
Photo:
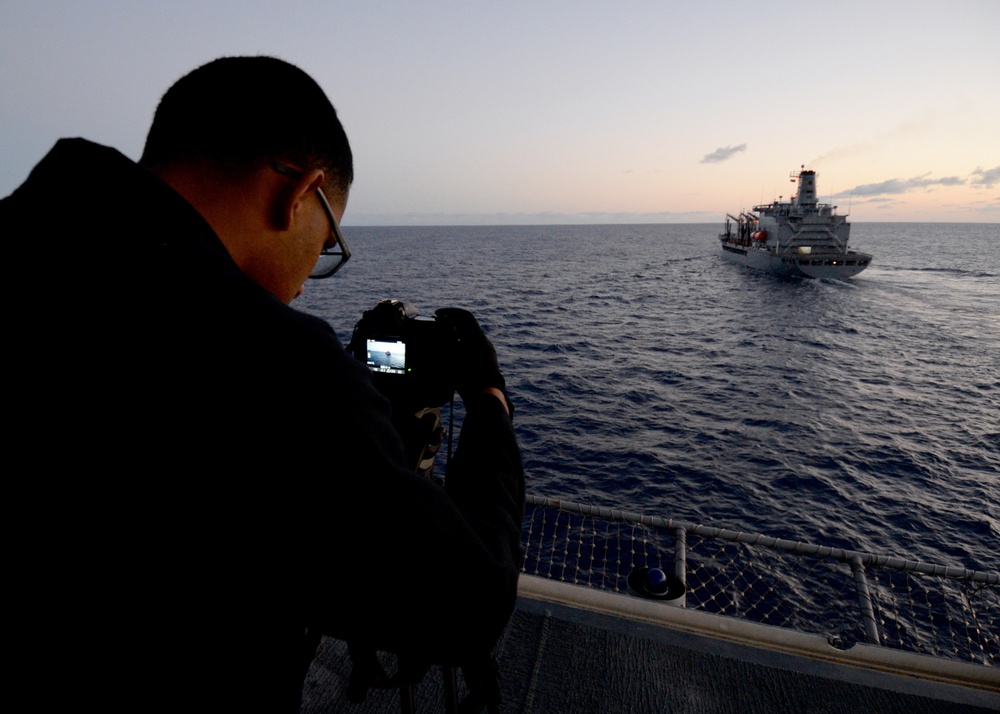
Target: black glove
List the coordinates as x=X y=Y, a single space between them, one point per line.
x=476 y=367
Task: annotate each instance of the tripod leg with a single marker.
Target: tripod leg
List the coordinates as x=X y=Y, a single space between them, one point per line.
x=482 y=679
x=407 y=704
x=450 y=677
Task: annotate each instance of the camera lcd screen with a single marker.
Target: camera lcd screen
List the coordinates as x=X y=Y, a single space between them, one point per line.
x=386 y=357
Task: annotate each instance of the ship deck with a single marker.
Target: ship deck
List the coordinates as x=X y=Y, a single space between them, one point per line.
x=558 y=656
x=763 y=625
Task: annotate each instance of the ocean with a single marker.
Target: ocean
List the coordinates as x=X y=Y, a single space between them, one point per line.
x=652 y=376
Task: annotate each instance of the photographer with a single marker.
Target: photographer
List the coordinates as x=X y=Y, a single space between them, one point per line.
x=203 y=472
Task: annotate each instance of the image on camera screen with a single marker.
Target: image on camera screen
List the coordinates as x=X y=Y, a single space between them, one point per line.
x=388 y=357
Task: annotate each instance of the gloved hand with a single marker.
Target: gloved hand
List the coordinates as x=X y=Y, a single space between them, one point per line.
x=475 y=362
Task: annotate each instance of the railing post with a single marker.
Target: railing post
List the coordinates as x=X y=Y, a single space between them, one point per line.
x=680 y=562
x=864 y=600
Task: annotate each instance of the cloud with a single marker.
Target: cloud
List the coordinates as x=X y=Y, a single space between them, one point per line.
x=723 y=153
x=896 y=186
x=844 y=152
x=986 y=178
x=869 y=145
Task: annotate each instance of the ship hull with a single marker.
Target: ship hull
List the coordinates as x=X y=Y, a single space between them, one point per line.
x=828 y=266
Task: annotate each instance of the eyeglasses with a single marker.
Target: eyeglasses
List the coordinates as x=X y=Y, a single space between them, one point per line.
x=335 y=251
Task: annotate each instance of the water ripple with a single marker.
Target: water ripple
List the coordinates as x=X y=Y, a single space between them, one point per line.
x=651 y=375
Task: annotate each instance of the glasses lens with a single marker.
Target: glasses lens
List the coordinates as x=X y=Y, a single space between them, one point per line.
x=329 y=263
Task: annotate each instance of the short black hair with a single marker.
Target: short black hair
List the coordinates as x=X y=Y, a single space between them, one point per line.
x=239 y=112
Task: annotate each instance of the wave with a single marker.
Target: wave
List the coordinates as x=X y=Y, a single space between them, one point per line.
x=653 y=378
x=975 y=274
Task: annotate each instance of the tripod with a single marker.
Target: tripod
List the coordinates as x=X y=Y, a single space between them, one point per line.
x=422 y=434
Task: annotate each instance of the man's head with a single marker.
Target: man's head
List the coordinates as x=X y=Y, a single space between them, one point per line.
x=225 y=136
x=240 y=112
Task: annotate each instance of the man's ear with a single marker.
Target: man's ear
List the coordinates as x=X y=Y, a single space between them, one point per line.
x=291 y=201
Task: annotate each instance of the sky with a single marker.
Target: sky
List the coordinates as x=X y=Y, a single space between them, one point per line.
x=558 y=111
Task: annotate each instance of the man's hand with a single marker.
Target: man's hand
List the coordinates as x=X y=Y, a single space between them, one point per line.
x=476 y=368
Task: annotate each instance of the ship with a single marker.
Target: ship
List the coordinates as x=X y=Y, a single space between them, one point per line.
x=797 y=238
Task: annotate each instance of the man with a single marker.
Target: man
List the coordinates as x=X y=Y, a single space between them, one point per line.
x=200 y=471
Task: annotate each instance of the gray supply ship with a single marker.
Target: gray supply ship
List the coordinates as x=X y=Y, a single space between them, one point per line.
x=797 y=238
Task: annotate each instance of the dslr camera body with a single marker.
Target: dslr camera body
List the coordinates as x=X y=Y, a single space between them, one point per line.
x=410 y=356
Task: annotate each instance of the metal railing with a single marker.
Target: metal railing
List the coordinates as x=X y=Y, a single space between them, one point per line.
x=847 y=596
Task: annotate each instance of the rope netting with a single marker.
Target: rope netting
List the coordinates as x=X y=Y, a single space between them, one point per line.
x=846 y=596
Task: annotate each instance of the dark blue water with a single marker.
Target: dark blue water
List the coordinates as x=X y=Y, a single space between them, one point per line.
x=651 y=375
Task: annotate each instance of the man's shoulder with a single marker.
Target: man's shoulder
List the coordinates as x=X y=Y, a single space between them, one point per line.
x=89 y=185
x=69 y=161
x=77 y=148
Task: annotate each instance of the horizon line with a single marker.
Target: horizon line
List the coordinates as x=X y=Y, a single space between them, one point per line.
x=415 y=220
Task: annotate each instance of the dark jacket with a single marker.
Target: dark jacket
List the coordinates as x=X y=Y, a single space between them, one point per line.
x=197 y=471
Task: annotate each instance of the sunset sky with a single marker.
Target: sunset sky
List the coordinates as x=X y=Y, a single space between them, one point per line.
x=556 y=111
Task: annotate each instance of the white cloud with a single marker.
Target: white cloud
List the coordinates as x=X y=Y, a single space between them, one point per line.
x=723 y=153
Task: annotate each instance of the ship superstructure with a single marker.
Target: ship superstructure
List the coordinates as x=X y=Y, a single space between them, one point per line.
x=800 y=237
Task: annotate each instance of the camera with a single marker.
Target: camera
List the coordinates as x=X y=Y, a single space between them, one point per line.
x=410 y=356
